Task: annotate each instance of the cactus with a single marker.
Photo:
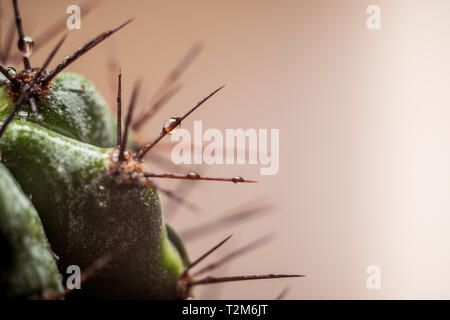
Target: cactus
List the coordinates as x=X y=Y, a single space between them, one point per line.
x=86 y=181
x=27 y=268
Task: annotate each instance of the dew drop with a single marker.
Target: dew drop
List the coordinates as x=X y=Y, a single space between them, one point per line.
x=171 y=125
x=12 y=71
x=193 y=175
x=237 y=179
x=26 y=46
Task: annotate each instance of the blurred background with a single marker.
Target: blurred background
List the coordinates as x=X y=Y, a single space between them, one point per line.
x=363 y=115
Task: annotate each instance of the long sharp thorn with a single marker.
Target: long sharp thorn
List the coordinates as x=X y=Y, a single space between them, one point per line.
x=206 y=254
x=24 y=94
x=134 y=95
x=171 y=78
x=26 y=60
x=200 y=103
x=119 y=109
x=239 y=252
x=195 y=177
x=163 y=133
x=88 y=46
x=156 y=107
x=211 y=280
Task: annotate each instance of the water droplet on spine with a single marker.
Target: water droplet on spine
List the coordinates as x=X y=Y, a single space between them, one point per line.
x=171 y=125
x=12 y=71
x=237 y=179
x=193 y=175
x=26 y=46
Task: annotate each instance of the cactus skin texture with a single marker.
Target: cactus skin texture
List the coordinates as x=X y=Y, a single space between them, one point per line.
x=27 y=268
x=89 y=210
x=72 y=107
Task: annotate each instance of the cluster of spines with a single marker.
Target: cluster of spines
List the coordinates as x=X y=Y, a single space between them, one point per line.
x=167 y=90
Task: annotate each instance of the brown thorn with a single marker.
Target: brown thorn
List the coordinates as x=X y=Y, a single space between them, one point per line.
x=171 y=78
x=283 y=293
x=224 y=221
x=134 y=95
x=195 y=177
x=24 y=94
x=211 y=280
x=239 y=252
x=205 y=255
x=156 y=107
x=26 y=60
x=119 y=110
x=88 y=46
x=163 y=133
x=34 y=108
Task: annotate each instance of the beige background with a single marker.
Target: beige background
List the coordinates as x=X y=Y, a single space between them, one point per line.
x=364 y=127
